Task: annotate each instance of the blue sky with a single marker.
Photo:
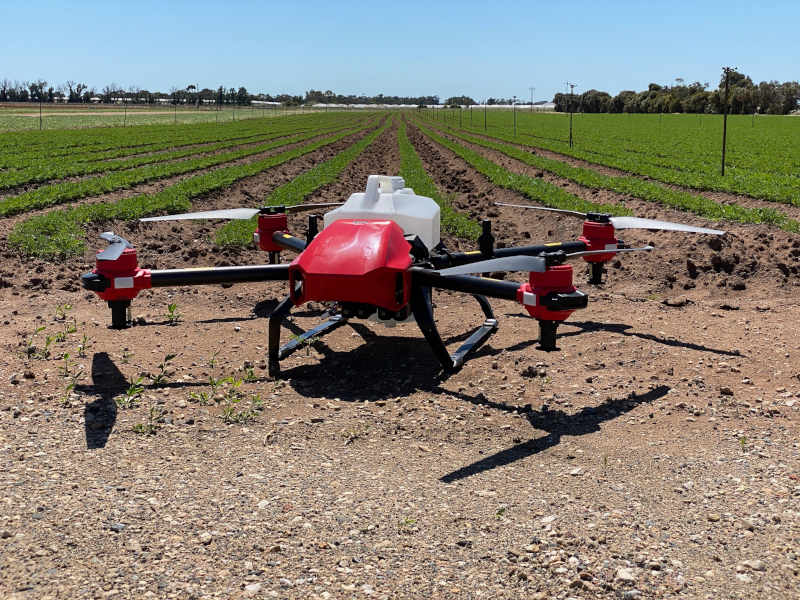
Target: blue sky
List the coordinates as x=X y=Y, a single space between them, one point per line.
x=411 y=48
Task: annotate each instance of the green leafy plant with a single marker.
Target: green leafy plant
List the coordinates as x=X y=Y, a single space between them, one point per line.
x=84 y=344
x=232 y=412
x=131 y=396
x=163 y=371
x=68 y=366
x=173 y=315
x=62 y=310
x=155 y=416
x=250 y=375
x=212 y=361
x=30 y=346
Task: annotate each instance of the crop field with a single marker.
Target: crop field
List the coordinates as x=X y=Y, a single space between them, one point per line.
x=654 y=454
x=71 y=116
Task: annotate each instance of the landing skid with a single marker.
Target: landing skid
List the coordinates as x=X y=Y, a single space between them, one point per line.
x=422 y=311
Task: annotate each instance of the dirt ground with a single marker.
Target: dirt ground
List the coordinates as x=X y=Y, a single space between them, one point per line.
x=654 y=455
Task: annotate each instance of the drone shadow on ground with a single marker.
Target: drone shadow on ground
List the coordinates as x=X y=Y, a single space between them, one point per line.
x=101 y=415
x=556 y=423
x=383 y=366
x=625 y=329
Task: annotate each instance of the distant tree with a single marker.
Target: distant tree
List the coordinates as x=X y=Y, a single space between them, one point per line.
x=460 y=101
x=242 y=98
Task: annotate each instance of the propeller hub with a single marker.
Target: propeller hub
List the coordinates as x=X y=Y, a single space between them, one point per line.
x=272 y=210
x=598 y=217
x=118 y=279
x=599 y=236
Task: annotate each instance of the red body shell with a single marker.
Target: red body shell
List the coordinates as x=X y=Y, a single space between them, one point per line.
x=124 y=275
x=360 y=261
x=267 y=225
x=555 y=279
x=598 y=236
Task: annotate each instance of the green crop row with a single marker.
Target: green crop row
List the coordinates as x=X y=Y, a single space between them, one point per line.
x=60 y=233
x=764 y=162
x=639 y=188
x=115 y=142
x=532 y=187
x=64 y=192
x=240 y=233
x=413 y=171
x=56 y=169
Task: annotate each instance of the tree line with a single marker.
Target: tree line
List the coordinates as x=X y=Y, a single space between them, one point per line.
x=744 y=97
x=77 y=92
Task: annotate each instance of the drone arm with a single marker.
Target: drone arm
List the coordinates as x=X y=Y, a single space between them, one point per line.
x=288 y=242
x=212 y=275
x=482 y=286
x=456 y=259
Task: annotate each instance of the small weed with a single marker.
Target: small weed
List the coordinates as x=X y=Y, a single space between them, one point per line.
x=406 y=524
x=201 y=398
x=126 y=356
x=212 y=362
x=500 y=512
x=44 y=353
x=62 y=310
x=163 y=371
x=74 y=378
x=68 y=367
x=306 y=343
x=173 y=315
x=154 y=418
x=30 y=346
x=217 y=382
x=131 y=396
x=743 y=443
x=250 y=375
x=83 y=346
x=232 y=414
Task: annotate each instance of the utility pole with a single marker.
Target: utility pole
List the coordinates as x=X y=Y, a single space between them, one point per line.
x=532 y=89
x=514 y=110
x=484 y=115
x=571 y=90
x=727 y=71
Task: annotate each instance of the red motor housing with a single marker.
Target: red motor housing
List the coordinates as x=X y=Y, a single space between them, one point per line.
x=267 y=225
x=557 y=278
x=124 y=276
x=598 y=236
x=360 y=261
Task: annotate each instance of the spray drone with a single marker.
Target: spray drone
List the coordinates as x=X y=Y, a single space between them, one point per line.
x=379 y=256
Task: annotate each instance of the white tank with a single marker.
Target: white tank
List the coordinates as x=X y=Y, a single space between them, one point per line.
x=387 y=198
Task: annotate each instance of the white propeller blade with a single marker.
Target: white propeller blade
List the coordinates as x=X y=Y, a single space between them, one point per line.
x=235 y=213
x=639 y=223
x=116 y=246
x=627 y=222
x=508 y=263
x=588 y=252
x=225 y=213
